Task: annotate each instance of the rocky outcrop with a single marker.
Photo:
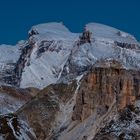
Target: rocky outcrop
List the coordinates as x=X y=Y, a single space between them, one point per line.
x=123 y=126
x=84 y=38
x=102 y=92
x=7 y=75
x=24 y=60
x=127 y=45
x=10 y=73
x=102 y=86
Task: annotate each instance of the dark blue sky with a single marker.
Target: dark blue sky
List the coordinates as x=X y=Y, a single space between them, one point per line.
x=17 y=16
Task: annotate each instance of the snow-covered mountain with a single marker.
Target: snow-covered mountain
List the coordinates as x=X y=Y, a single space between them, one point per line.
x=52 y=51
x=70 y=86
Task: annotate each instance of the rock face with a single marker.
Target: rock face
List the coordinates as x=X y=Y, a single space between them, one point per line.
x=9 y=56
x=81 y=109
x=103 y=86
x=102 y=92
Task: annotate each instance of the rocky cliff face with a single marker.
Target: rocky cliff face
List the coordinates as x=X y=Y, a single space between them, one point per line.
x=103 y=93
x=84 y=108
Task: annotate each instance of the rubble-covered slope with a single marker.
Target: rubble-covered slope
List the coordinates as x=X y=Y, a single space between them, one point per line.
x=11 y=98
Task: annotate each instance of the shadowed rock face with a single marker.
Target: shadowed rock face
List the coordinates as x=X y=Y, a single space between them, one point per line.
x=126 y=45
x=6 y=130
x=124 y=127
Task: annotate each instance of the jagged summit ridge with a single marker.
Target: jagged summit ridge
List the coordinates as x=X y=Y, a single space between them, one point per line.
x=52 y=52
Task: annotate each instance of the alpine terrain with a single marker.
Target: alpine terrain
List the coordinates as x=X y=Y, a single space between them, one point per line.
x=59 y=85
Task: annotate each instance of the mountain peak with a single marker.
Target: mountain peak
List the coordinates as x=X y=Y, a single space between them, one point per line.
x=53 y=51
x=71 y=86
x=50 y=27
